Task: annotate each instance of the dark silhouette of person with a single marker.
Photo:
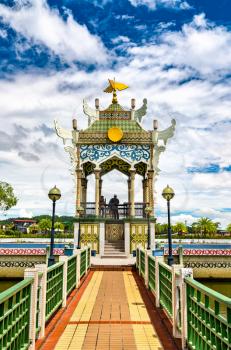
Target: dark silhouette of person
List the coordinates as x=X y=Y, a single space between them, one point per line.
x=113 y=207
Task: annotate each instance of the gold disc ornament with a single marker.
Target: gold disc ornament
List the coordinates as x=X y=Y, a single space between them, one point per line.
x=115 y=134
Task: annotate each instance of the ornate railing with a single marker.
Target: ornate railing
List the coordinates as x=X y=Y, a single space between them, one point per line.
x=165 y=285
x=199 y=316
x=151 y=273
x=27 y=306
x=124 y=210
x=142 y=262
x=54 y=288
x=137 y=258
x=38 y=312
x=15 y=316
x=88 y=257
x=209 y=317
x=83 y=257
x=71 y=273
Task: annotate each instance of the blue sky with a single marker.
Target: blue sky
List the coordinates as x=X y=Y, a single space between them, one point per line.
x=175 y=53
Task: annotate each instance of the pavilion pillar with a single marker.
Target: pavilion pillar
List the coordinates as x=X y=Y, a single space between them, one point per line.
x=100 y=186
x=97 y=190
x=145 y=191
x=132 y=192
x=129 y=195
x=150 y=190
x=84 y=192
x=79 y=189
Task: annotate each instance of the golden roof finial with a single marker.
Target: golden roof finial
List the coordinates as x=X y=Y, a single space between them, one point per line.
x=112 y=87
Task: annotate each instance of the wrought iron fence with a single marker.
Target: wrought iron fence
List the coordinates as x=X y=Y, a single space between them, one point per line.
x=124 y=210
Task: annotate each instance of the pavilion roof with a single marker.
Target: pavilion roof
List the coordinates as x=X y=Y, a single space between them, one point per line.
x=104 y=124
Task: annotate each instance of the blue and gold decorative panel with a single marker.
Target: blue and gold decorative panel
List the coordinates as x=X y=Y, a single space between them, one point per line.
x=130 y=153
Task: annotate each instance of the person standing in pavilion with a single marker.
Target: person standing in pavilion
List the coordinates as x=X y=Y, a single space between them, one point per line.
x=113 y=207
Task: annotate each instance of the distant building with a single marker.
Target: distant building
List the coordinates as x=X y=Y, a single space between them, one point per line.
x=23 y=224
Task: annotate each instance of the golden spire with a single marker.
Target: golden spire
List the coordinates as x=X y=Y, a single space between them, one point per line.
x=112 y=87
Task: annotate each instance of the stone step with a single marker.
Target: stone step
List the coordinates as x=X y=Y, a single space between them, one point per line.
x=114 y=256
x=113 y=247
x=114 y=253
x=114 y=250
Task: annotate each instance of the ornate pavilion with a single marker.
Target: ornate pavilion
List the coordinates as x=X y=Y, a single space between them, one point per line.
x=115 y=139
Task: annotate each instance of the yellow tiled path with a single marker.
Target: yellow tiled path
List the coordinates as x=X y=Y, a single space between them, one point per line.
x=145 y=335
x=110 y=315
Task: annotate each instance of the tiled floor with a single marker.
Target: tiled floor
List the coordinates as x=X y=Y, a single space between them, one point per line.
x=111 y=315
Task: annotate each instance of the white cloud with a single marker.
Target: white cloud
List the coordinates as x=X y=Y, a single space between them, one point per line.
x=124 y=17
x=42 y=25
x=200 y=20
x=213 y=182
x=120 y=39
x=200 y=47
x=154 y=4
x=3 y=33
x=25 y=213
x=187 y=219
x=201 y=107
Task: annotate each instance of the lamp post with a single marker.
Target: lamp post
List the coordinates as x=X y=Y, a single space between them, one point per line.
x=80 y=211
x=54 y=195
x=148 y=211
x=168 y=194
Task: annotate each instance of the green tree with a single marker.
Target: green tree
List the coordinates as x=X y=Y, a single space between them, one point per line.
x=205 y=226
x=228 y=229
x=7 y=197
x=34 y=228
x=59 y=226
x=44 y=225
x=180 y=227
x=161 y=228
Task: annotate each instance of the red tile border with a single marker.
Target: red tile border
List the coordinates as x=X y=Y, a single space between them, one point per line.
x=58 y=323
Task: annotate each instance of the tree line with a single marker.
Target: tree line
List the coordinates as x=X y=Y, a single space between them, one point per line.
x=203 y=227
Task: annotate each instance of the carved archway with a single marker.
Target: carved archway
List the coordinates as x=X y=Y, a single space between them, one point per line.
x=115 y=163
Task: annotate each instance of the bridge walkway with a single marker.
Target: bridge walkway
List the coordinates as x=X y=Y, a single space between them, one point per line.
x=111 y=311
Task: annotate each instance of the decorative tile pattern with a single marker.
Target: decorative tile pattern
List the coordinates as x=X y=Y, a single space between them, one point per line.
x=114 y=232
x=19 y=264
x=99 y=153
x=29 y=251
x=207 y=265
x=188 y=251
x=23 y=251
